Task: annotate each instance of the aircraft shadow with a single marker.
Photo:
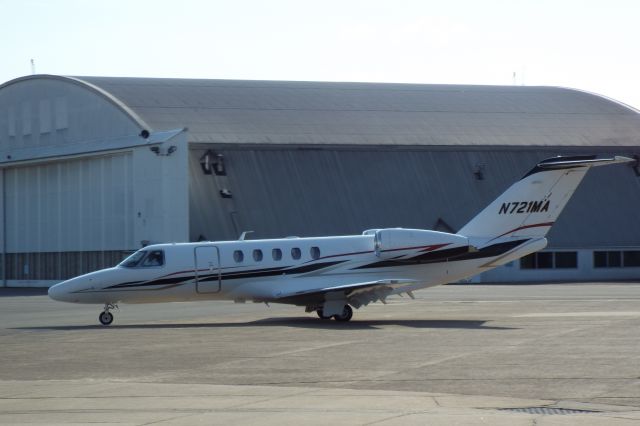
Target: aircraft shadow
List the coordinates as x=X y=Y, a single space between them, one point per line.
x=295 y=322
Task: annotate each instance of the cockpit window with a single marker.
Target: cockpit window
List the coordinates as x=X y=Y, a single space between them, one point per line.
x=154 y=258
x=133 y=260
x=144 y=258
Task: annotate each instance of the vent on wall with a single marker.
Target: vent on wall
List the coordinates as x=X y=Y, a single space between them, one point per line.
x=61 y=114
x=11 y=121
x=45 y=116
x=26 y=119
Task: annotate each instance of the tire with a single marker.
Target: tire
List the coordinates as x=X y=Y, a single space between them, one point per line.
x=105 y=318
x=346 y=315
x=321 y=315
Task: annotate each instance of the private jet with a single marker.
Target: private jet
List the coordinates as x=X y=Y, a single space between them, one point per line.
x=332 y=275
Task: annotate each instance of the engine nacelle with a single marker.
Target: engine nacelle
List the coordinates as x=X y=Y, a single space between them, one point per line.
x=389 y=242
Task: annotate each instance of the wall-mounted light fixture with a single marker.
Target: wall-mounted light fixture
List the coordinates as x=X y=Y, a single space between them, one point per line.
x=156 y=150
x=211 y=163
x=478 y=171
x=205 y=162
x=218 y=167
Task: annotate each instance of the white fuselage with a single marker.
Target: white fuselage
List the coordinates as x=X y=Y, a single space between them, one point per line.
x=266 y=270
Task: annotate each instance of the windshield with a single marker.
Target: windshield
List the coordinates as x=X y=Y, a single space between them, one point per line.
x=144 y=258
x=133 y=260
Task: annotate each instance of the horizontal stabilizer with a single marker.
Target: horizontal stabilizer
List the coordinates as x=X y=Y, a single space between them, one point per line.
x=577 y=161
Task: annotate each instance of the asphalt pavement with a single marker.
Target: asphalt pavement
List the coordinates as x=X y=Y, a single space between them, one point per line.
x=465 y=354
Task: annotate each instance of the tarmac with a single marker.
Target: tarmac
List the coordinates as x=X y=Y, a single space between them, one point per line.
x=552 y=354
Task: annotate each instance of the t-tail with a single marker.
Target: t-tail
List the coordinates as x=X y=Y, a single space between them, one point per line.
x=530 y=207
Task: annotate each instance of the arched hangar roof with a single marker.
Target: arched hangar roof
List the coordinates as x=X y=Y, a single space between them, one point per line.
x=286 y=112
x=241 y=112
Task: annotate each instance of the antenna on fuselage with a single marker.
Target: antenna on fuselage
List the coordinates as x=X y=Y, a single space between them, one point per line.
x=243 y=235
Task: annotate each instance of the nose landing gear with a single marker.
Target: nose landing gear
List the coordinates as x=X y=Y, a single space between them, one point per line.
x=105 y=316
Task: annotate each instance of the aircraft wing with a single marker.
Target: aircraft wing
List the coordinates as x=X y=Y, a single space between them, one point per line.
x=358 y=294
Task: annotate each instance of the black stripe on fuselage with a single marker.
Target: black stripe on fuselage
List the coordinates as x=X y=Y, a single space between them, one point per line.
x=159 y=281
x=256 y=273
x=428 y=257
x=454 y=254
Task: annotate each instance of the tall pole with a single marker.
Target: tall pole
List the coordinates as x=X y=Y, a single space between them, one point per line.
x=4 y=227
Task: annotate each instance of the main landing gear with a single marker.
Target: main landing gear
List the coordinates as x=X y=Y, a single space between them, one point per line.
x=346 y=315
x=105 y=316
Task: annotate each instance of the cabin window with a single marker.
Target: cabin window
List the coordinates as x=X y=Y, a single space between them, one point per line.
x=296 y=253
x=238 y=256
x=276 y=254
x=257 y=255
x=314 y=252
x=154 y=258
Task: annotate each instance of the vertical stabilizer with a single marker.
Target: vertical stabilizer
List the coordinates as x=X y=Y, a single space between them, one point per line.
x=531 y=206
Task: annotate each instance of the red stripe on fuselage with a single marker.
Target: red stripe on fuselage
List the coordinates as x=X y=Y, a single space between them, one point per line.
x=535 y=225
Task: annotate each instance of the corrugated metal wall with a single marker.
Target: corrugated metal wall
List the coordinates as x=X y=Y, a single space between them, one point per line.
x=305 y=192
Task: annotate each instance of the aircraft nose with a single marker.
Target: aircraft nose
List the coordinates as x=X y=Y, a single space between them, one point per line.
x=58 y=292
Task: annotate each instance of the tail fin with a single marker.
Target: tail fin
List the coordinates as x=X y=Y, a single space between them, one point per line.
x=531 y=206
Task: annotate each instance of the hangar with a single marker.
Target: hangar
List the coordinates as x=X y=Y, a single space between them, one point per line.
x=95 y=167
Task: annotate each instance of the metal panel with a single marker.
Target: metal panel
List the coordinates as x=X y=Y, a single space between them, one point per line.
x=26 y=118
x=11 y=121
x=79 y=205
x=45 y=116
x=61 y=113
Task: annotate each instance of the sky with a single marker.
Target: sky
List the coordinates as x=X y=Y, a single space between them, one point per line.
x=587 y=45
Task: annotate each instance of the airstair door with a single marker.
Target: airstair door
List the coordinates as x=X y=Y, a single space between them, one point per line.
x=207 y=266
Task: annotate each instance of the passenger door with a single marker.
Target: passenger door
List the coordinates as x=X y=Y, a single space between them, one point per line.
x=207 y=269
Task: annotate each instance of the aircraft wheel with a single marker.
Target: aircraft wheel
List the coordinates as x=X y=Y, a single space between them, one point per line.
x=105 y=318
x=321 y=315
x=347 y=314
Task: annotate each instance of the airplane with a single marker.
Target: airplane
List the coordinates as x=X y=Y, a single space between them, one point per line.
x=332 y=275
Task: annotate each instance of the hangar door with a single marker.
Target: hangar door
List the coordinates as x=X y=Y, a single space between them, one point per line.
x=67 y=217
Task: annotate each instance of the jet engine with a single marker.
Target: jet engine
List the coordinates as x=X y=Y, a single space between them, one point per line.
x=389 y=243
